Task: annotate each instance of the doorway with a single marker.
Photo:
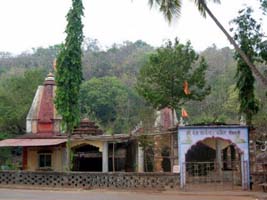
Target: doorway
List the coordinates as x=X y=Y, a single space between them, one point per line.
x=87 y=158
x=213 y=163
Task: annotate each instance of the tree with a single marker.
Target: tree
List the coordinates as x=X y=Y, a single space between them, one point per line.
x=16 y=94
x=108 y=101
x=172 y=8
x=248 y=37
x=69 y=73
x=263 y=6
x=220 y=75
x=121 y=60
x=231 y=104
x=39 y=58
x=161 y=80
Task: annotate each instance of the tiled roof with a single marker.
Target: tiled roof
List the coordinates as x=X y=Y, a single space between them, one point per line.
x=87 y=128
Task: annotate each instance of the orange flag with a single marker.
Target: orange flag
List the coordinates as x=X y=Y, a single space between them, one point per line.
x=184 y=113
x=186 y=88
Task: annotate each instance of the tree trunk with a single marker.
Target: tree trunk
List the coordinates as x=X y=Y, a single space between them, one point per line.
x=232 y=41
x=68 y=167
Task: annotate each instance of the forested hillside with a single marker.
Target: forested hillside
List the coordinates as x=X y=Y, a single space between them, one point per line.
x=108 y=90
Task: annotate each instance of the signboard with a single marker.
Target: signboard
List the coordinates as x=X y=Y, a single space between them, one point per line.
x=176 y=169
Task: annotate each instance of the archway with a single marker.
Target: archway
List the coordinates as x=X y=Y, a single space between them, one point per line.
x=213 y=151
x=200 y=152
x=166 y=162
x=213 y=162
x=87 y=157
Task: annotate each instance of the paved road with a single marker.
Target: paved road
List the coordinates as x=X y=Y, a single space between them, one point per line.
x=20 y=194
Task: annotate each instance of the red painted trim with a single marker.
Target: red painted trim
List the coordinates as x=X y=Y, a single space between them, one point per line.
x=45 y=127
x=46 y=112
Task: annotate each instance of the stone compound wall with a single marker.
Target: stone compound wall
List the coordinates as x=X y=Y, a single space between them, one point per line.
x=90 y=180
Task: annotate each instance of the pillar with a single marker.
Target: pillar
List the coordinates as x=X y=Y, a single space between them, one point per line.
x=219 y=154
x=171 y=153
x=105 y=157
x=24 y=158
x=229 y=158
x=140 y=159
x=244 y=174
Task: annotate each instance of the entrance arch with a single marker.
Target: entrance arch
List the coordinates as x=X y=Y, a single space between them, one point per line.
x=214 y=137
x=87 y=157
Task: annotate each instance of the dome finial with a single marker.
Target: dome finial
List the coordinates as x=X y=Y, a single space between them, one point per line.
x=50 y=79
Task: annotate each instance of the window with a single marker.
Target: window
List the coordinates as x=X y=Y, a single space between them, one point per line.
x=45 y=159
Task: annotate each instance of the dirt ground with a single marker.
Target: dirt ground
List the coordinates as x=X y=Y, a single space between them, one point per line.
x=48 y=194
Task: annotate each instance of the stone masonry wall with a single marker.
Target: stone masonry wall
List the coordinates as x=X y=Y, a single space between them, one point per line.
x=90 y=180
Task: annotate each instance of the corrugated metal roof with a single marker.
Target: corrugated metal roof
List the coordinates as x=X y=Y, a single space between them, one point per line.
x=30 y=142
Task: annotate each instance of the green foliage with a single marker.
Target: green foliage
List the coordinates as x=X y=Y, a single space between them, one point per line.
x=124 y=61
x=220 y=75
x=101 y=97
x=232 y=104
x=69 y=68
x=168 y=8
x=38 y=58
x=145 y=142
x=263 y=5
x=248 y=37
x=161 y=80
x=108 y=101
x=16 y=95
x=121 y=60
x=172 y=9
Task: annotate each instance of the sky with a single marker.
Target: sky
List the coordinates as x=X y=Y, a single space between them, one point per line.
x=30 y=24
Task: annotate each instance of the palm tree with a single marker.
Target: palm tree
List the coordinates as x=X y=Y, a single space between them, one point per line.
x=172 y=8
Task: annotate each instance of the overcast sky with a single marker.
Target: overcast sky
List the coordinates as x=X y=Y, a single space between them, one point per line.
x=34 y=23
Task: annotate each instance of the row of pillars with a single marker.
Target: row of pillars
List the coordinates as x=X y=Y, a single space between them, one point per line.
x=140 y=158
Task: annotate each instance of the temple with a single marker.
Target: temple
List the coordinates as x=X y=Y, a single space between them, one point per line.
x=193 y=151
x=44 y=144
